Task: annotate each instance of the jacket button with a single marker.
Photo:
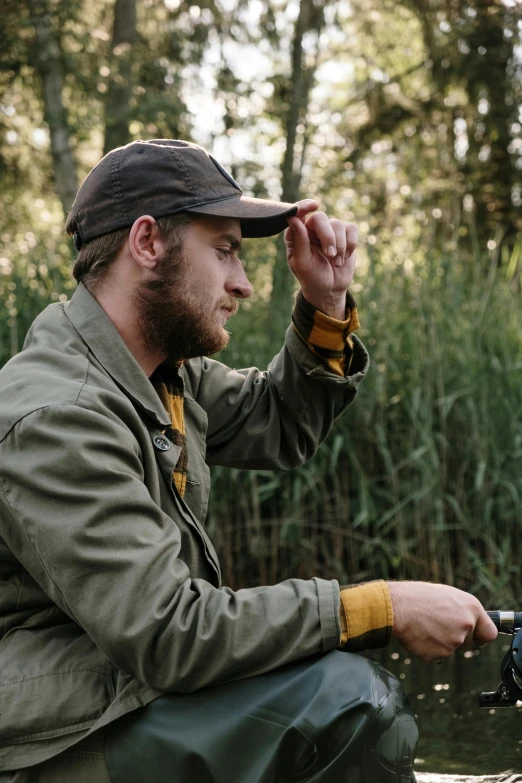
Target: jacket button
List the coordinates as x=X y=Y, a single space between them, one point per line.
x=161 y=442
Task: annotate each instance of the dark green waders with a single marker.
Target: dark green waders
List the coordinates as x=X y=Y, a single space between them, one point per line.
x=338 y=718
x=334 y=719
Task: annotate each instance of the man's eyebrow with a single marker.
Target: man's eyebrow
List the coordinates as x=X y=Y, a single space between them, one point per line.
x=233 y=241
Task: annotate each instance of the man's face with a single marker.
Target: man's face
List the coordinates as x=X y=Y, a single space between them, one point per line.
x=184 y=305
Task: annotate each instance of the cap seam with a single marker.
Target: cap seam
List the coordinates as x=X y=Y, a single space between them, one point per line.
x=224 y=173
x=182 y=165
x=118 y=186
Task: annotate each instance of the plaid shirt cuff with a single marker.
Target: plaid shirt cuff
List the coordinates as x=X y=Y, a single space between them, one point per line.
x=327 y=337
x=366 y=616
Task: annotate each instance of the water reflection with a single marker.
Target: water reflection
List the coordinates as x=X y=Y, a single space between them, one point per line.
x=456 y=735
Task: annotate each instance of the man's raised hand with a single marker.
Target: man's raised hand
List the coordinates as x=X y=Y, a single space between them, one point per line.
x=321 y=254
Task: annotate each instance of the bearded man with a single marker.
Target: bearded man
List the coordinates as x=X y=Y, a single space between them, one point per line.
x=122 y=656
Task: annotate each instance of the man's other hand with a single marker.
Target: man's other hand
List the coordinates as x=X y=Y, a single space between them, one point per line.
x=431 y=621
x=321 y=254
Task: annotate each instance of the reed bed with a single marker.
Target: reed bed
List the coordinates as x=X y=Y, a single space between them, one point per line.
x=422 y=477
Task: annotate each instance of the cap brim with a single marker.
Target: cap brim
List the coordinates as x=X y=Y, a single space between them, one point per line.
x=259 y=217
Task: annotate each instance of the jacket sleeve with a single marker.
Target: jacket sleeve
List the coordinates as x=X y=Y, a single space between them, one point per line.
x=276 y=418
x=76 y=513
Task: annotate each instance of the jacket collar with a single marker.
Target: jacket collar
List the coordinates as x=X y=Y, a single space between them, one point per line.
x=103 y=339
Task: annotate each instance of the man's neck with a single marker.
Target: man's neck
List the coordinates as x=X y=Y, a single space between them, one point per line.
x=117 y=305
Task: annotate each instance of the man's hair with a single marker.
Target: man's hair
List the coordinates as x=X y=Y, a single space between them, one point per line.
x=95 y=258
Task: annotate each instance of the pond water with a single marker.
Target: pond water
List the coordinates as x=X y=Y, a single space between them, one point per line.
x=456 y=735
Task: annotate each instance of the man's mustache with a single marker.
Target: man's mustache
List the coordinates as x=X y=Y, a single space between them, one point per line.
x=229 y=303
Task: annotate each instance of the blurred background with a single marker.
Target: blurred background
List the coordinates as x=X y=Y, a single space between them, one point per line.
x=405 y=117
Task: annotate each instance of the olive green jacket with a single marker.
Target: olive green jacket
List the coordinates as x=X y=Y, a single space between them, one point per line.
x=110 y=589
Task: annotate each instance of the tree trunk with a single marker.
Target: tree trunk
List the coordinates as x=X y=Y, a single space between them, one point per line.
x=119 y=94
x=310 y=18
x=47 y=57
x=491 y=179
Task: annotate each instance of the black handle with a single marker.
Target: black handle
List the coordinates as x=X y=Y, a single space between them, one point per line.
x=506 y=622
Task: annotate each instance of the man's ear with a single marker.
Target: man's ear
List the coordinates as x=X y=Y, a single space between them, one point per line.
x=145 y=242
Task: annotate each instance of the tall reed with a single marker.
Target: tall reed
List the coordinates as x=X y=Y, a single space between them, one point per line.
x=422 y=477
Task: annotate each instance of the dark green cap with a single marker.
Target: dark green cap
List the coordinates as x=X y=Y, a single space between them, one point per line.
x=162 y=177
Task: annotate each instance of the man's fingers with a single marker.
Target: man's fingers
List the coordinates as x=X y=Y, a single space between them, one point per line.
x=321 y=232
x=352 y=237
x=482 y=633
x=332 y=239
x=336 y=239
x=346 y=237
x=296 y=237
x=306 y=206
x=341 y=241
x=485 y=629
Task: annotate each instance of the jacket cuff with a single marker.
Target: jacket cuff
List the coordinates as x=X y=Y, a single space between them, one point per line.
x=366 y=616
x=329 y=612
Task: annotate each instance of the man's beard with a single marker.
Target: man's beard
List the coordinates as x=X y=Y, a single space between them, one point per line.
x=176 y=319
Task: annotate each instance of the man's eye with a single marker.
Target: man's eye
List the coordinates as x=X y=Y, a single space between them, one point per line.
x=225 y=251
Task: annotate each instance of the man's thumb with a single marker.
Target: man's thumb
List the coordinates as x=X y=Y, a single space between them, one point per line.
x=299 y=237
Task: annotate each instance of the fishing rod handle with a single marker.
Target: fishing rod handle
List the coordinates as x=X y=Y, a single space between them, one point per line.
x=506 y=622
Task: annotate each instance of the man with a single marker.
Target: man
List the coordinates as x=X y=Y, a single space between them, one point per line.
x=123 y=658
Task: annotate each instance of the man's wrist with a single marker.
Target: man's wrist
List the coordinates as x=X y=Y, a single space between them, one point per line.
x=333 y=305
x=326 y=336
x=366 y=615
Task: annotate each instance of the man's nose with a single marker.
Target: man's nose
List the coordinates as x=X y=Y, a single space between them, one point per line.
x=238 y=283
